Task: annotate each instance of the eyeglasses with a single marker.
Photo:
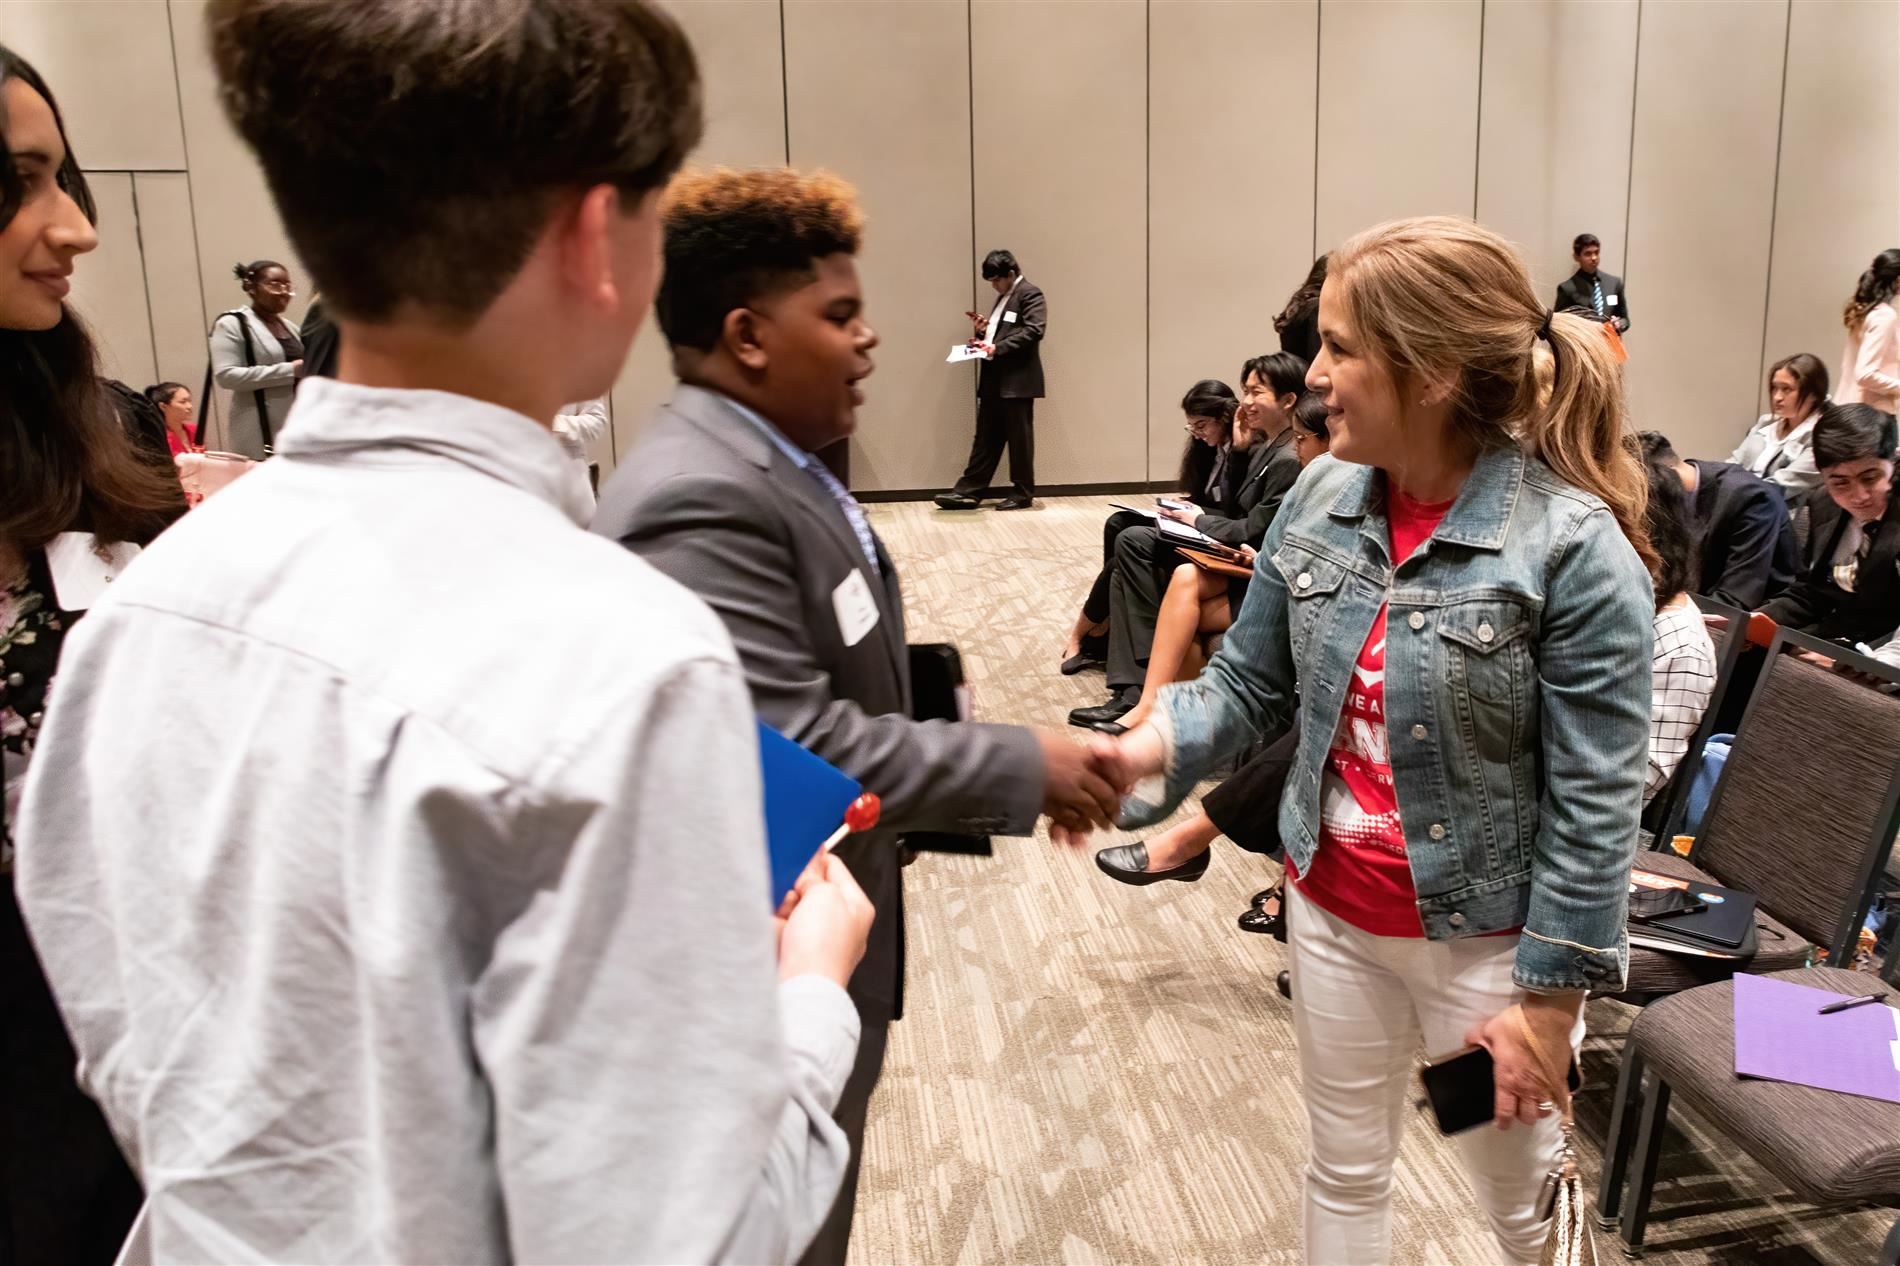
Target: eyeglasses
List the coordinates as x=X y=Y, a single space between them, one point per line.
x=276 y=285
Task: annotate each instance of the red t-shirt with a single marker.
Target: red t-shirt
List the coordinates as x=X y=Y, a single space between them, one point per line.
x=1359 y=872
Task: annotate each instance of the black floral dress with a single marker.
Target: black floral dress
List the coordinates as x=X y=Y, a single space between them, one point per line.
x=66 y=1193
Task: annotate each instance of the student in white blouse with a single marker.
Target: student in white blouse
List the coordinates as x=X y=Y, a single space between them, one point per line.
x=1870 y=364
x=577 y=426
x=443 y=932
x=1780 y=446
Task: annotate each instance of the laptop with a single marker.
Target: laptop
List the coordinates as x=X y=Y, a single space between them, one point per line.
x=1726 y=919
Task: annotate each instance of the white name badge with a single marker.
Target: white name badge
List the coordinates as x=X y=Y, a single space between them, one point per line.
x=1010 y=317
x=855 y=608
x=80 y=575
x=1611 y=300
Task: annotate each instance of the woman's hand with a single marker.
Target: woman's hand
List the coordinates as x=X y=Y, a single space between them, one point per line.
x=1522 y=1071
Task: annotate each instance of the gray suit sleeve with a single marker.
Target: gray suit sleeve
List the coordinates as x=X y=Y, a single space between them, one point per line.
x=715 y=537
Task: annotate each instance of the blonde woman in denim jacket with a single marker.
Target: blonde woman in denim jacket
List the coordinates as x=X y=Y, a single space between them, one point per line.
x=1462 y=814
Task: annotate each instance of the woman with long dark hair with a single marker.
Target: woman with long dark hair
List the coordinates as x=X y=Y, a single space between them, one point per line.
x=1870 y=366
x=71 y=487
x=1780 y=446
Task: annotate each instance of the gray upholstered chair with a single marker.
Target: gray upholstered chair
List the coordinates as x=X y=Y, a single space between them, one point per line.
x=1827 y=1148
x=1803 y=817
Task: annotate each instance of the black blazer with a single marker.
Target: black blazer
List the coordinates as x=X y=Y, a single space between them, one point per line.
x=1015 y=371
x=1819 y=606
x=1575 y=293
x=1745 y=535
x=1271 y=469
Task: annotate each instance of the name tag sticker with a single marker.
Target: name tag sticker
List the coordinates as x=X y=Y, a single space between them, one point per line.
x=1010 y=317
x=80 y=575
x=1610 y=299
x=855 y=608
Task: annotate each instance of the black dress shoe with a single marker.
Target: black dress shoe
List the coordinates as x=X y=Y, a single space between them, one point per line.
x=1114 y=710
x=1015 y=503
x=1128 y=864
x=1110 y=728
x=1284 y=983
x=1093 y=654
x=955 y=501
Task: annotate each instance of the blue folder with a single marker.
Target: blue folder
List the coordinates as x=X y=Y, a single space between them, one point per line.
x=805 y=801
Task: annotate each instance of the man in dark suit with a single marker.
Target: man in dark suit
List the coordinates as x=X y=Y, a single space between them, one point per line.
x=1850 y=588
x=723 y=492
x=1591 y=292
x=1745 y=538
x=1007 y=387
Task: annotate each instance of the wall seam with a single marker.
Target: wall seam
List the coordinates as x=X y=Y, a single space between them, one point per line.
x=145 y=277
x=1319 y=35
x=206 y=409
x=969 y=61
x=1629 y=177
x=1774 y=203
x=1147 y=233
x=784 y=84
x=1477 y=131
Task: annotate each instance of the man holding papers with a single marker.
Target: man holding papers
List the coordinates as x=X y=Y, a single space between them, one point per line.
x=1008 y=384
x=762 y=307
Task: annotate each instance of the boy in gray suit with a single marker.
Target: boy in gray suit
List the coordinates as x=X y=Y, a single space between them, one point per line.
x=763 y=310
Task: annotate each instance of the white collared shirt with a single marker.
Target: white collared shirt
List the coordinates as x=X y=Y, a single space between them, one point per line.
x=395 y=852
x=996 y=313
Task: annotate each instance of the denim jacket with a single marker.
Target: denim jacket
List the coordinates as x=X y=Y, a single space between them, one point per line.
x=1517 y=694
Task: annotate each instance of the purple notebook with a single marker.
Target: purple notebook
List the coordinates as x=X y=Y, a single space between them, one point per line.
x=1781 y=1035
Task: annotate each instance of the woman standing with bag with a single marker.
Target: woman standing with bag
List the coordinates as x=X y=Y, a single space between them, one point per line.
x=1462 y=606
x=256 y=353
x=71 y=489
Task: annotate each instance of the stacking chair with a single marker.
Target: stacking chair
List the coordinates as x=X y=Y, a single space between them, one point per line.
x=1827 y=1148
x=1804 y=816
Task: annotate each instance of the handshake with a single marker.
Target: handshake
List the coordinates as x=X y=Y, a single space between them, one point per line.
x=1083 y=785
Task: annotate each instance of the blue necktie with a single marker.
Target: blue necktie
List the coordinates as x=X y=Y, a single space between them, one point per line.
x=1596 y=294
x=852 y=510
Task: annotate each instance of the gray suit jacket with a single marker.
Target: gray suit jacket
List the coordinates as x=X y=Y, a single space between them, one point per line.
x=708 y=499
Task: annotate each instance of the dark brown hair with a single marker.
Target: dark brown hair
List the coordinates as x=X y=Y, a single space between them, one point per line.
x=416 y=149
x=736 y=236
x=1876 y=286
x=1809 y=374
x=65 y=460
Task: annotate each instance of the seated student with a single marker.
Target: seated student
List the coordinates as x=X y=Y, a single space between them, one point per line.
x=1145 y=560
x=766 y=320
x=1849 y=590
x=1210 y=405
x=1200 y=603
x=1682 y=666
x=443 y=934
x=1780 y=446
x=1744 y=538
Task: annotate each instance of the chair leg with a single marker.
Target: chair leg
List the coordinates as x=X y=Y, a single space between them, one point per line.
x=1642 y=1182
x=1621 y=1138
x=1890 y=1251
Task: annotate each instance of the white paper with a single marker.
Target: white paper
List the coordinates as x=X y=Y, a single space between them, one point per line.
x=962 y=352
x=856 y=610
x=1134 y=509
x=80 y=576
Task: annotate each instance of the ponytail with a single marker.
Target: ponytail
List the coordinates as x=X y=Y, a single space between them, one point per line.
x=1876 y=286
x=1439 y=293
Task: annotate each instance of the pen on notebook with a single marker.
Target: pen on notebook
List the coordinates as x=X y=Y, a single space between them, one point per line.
x=1832 y=1007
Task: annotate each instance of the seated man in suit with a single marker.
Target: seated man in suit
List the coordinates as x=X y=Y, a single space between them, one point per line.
x=1008 y=384
x=763 y=311
x=1850 y=588
x=1743 y=535
x=1591 y=292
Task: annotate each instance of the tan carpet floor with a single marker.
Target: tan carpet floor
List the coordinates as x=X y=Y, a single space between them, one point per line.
x=1094 y=1073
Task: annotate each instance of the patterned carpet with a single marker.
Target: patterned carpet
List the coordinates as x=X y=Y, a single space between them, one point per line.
x=1094 y=1073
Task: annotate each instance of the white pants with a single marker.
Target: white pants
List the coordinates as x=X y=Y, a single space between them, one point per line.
x=1364 y=1008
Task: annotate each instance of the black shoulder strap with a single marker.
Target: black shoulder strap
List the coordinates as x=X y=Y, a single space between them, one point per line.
x=257 y=396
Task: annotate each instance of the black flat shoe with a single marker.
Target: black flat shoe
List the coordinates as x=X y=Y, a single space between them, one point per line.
x=1128 y=864
x=1015 y=503
x=1261 y=898
x=1284 y=983
x=1268 y=918
x=1109 y=727
x=1094 y=654
x=955 y=501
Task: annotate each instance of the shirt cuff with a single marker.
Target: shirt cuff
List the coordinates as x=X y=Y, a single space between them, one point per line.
x=820 y=1024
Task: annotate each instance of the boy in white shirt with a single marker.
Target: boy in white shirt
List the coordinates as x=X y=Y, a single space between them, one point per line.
x=442 y=931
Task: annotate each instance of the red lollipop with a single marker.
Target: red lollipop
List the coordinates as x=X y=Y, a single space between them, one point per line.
x=863 y=813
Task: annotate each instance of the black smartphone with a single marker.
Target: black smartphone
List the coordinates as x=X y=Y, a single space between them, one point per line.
x=1647 y=904
x=1462 y=1089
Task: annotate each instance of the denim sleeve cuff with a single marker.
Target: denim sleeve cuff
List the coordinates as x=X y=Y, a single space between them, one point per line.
x=1549 y=965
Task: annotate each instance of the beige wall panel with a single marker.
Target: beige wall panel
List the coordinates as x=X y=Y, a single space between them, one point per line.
x=740 y=60
x=171 y=276
x=1398 y=112
x=1230 y=199
x=1554 y=128
x=109 y=284
x=109 y=62
x=879 y=93
x=1061 y=178
x=1708 y=102
x=1837 y=203
x=231 y=205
